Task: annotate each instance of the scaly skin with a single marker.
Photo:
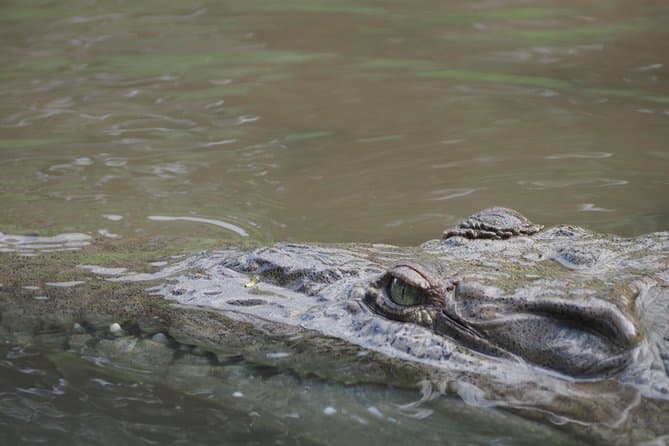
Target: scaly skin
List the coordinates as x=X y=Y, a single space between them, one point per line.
x=562 y=325
x=495 y=223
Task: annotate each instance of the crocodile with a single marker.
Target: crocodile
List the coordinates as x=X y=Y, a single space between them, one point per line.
x=561 y=325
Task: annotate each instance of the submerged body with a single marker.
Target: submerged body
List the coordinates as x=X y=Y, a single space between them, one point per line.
x=562 y=325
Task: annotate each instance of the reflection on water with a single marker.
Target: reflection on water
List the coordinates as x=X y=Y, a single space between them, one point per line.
x=56 y=399
x=321 y=120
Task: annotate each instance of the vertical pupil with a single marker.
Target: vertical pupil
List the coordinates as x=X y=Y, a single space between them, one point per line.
x=398 y=291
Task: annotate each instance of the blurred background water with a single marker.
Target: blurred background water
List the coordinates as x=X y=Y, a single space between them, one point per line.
x=333 y=121
x=325 y=120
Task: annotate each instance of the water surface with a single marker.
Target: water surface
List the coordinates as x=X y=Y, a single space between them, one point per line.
x=331 y=121
x=322 y=120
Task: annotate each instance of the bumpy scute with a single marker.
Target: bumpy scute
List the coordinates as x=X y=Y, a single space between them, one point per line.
x=494 y=223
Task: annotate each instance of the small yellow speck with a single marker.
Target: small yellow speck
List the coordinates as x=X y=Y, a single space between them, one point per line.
x=253 y=282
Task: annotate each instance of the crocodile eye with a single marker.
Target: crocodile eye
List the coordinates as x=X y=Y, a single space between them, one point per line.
x=403 y=294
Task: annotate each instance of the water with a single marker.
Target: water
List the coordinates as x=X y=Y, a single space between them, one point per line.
x=322 y=120
x=43 y=402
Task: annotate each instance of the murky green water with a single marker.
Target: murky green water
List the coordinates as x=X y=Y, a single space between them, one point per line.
x=318 y=120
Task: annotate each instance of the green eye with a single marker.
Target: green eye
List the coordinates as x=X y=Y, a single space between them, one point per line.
x=403 y=294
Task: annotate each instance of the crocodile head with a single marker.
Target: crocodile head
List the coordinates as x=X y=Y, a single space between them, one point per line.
x=563 y=300
x=562 y=323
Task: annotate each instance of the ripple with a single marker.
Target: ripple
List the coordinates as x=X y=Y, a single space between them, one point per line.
x=83 y=161
x=169 y=170
x=103 y=271
x=34 y=244
x=107 y=234
x=87 y=19
x=219 y=143
x=655 y=66
x=116 y=162
x=80 y=196
x=590 y=207
x=101 y=117
x=27 y=118
x=562 y=183
x=580 y=155
x=452 y=141
x=219 y=223
x=246 y=119
x=150 y=123
x=451 y=193
x=113 y=217
x=69 y=284
x=467 y=162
